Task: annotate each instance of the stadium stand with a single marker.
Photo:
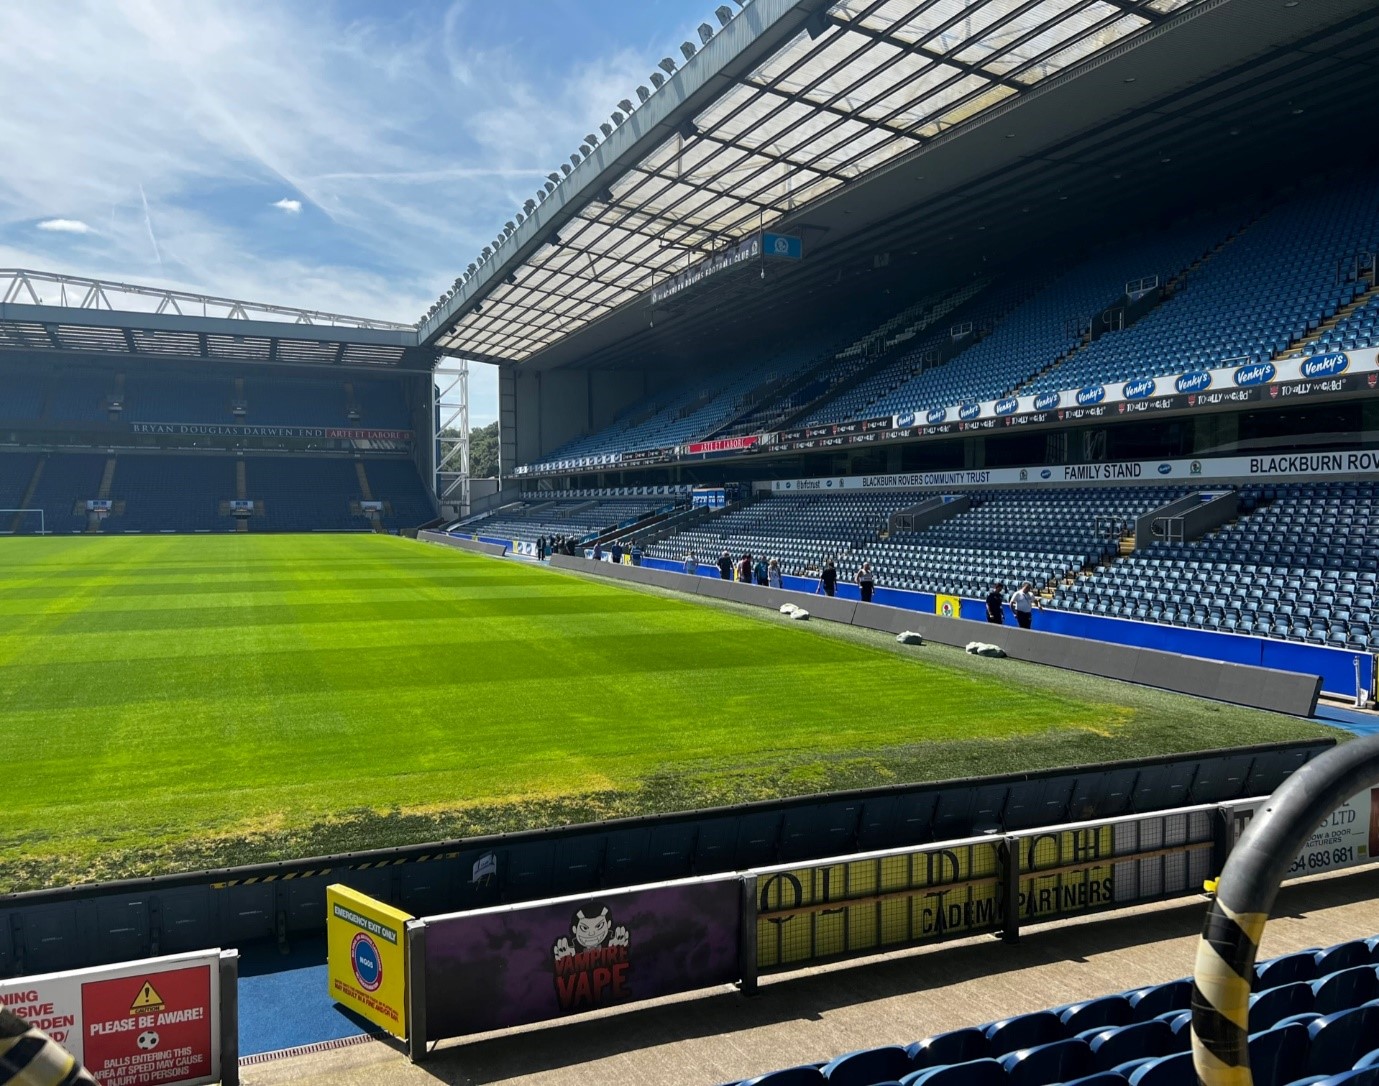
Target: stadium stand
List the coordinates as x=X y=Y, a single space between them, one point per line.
x=1269 y=288
x=171 y=493
x=1300 y=565
x=397 y=484
x=1313 y=1019
x=1043 y=535
x=22 y=395
x=583 y=518
x=294 y=402
x=154 y=397
x=1052 y=322
x=305 y=494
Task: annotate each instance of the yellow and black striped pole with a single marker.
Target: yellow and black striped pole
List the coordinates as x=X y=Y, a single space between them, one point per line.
x=1244 y=895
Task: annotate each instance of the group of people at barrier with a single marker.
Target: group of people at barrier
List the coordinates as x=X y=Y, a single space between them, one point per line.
x=558 y=544
x=766 y=572
x=1024 y=601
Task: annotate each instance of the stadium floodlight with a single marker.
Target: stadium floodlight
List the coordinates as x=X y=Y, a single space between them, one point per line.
x=585 y=150
x=574 y=160
x=529 y=206
x=667 y=65
x=618 y=118
x=550 y=187
x=488 y=252
x=565 y=168
x=591 y=140
x=553 y=178
x=724 y=13
x=472 y=268
x=657 y=80
x=459 y=282
x=509 y=227
x=625 y=105
x=521 y=218
x=643 y=94
x=606 y=129
x=705 y=33
x=687 y=49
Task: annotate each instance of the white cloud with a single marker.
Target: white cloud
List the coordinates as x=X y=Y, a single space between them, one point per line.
x=292 y=207
x=65 y=226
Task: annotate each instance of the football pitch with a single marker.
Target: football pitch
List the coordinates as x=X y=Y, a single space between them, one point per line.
x=177 y=702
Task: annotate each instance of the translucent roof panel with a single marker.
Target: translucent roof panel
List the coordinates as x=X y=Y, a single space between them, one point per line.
x=873 y=81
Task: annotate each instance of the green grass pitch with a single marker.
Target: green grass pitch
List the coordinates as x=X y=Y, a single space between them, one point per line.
x=181 y=702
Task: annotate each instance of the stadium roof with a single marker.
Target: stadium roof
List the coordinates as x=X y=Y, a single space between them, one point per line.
x=51 y=314
x=797 y=106
x=844 y=88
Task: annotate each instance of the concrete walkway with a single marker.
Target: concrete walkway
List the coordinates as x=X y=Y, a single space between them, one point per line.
x=721 y=1036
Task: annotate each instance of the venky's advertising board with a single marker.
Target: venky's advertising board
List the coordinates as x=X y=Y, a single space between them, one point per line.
x=366 y=957
x=494 y=968
x=1347 y=838
x=155 y=1021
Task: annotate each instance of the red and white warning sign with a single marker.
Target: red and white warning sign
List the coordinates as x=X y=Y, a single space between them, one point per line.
x=149 y=1023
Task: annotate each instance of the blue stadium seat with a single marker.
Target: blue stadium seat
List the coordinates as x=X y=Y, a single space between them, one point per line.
x=955 y=1046
x=1175 y=1070
x=1338 y=1040
x=1344 y=989
x=973 y=1073
x=869 y=1066
x=1023 y=1031
x=1048 y=1063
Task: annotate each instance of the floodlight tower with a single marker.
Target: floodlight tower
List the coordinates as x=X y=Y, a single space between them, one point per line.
x=452 y=417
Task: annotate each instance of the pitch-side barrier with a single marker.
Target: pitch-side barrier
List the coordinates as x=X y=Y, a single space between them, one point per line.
x=463 y=973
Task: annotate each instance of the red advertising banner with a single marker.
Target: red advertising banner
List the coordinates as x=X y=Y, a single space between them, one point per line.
x=723 y=444
x=142 y=1031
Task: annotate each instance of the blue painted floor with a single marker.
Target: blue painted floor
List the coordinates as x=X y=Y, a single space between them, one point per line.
x=1351 y=720
x=283 y=1001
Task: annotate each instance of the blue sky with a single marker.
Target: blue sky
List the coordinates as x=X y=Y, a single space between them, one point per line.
x=350 y=156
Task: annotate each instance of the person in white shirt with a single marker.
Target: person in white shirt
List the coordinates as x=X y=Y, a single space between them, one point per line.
x=1023 y=602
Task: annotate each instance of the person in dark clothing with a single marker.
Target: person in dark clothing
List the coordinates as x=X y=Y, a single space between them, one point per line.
x=540 y=547
x=866 y=582
x=760 y=572
x=744 y=569
x=995 y=604
x=725 y=566
x=598 y=553
x=636 y=554
x=828 y=579
x=616 y=551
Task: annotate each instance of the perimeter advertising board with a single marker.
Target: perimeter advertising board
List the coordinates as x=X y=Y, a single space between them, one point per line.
x=366 y=957
x=885 y=900
x=1343 y=463
x=1347 y=838
x=155 y=1021
x=493 y=968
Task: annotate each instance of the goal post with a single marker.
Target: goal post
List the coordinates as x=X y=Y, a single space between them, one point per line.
x=22 y=521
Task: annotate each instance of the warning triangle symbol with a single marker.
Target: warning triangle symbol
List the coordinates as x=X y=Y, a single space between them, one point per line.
x=148 y=999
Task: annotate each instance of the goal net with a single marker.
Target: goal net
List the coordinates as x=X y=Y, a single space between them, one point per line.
x=22 y=522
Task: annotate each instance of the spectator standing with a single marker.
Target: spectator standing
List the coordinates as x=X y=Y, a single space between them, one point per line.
x=616 y=551
x=1023 y=602
x=760 y=571
x=866 y=582
x=744 y=569
x=995 y=604
x=691 y=564
x=828 y=579
x=725 y=566
x=540 y=547
x=636 y=554
x=598 y=552
x=773 y=573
